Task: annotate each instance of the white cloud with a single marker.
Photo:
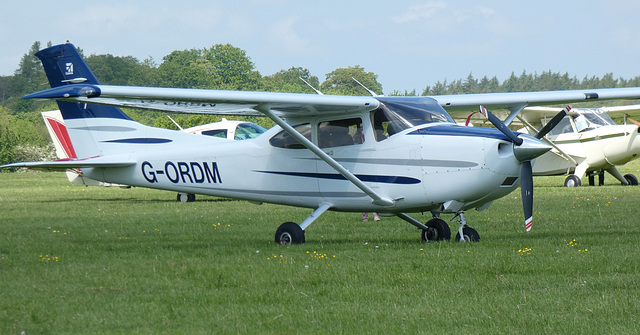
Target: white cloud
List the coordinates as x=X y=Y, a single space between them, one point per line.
x=285 y=34
x=419 y=12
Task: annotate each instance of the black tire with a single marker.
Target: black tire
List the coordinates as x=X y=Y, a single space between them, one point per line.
x=469 y=234
x=572 y=181
x=631 y=179
x=289 y=233
x=438 y=231
x=186 y=197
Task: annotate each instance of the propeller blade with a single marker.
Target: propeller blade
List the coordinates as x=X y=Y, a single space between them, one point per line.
x=500 y=125
x=554 y=122
x=526 y=186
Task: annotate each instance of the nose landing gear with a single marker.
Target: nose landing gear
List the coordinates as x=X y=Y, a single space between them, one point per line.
x=465 y=232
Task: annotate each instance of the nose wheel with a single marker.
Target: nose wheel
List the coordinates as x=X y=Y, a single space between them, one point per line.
x=465 y=233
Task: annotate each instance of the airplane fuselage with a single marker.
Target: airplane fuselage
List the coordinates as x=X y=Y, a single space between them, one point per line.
x=427 y=167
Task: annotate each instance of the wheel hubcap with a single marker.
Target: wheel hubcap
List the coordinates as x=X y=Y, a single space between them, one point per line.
x=432 y=234
x=285 y=238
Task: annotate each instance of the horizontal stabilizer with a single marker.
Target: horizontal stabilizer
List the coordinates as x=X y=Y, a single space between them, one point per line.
x=61 y=165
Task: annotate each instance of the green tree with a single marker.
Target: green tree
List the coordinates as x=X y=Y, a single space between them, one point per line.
x=30 y=76
x=289 y=81
x=113 y=70
x=234 y=68
x=340 y=81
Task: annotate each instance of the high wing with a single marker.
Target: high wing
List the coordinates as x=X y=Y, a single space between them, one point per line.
x=519 y=100
x=507 y=106
x=534 y=114
x=209 y=101
x=288 y=105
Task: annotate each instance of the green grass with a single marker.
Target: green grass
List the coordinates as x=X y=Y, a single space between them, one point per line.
x=78 y=260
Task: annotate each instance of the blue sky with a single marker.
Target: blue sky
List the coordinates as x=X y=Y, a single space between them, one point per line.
x=408 y=44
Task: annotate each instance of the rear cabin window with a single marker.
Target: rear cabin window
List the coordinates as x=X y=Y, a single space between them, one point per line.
x=284 y=140
x=340 y=133
x=222 y=133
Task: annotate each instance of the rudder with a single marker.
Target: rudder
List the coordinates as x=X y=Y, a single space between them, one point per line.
x=64 y=66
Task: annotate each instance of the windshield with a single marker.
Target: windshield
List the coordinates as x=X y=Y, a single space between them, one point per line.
x=591 y=119
x=248 y=130
x=397 y=114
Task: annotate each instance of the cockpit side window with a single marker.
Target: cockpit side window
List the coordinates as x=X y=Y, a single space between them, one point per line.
x=284 y=140
x=563 y=127
x=339 y=133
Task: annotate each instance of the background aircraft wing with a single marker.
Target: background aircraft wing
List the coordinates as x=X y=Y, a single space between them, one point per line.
x=517 y=100
x=209 y=101
x=620 y=111
x=460 y=106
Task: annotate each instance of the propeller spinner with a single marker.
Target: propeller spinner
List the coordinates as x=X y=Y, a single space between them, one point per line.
x=526 y=148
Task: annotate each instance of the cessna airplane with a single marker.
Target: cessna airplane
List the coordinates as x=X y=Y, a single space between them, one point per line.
x=393 y=155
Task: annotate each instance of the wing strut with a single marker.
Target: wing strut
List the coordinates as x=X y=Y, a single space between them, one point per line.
x=560 y=152
x=377 y=198
x=515 y=111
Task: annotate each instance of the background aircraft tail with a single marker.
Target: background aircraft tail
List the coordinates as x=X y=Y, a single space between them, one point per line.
x=95 y=130
x=64 y=149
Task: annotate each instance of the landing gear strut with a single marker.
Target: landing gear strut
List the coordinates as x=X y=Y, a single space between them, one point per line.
x=292 y=233
x=465 y=233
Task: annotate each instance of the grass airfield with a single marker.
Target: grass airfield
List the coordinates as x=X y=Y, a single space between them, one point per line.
x=92 y=260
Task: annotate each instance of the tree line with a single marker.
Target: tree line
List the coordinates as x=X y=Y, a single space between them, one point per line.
x=23 y=135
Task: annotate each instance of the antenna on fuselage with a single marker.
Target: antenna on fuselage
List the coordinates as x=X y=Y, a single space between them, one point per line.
x=366 y=88
x=313 y=88
x=174 y=122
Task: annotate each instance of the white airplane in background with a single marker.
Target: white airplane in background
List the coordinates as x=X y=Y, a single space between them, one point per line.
x=393 y=155
x=64 y=149
x=585 y=142
x=229 y=129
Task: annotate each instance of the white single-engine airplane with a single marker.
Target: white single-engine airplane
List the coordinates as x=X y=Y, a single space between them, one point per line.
x=392 y=155
x=586 y=141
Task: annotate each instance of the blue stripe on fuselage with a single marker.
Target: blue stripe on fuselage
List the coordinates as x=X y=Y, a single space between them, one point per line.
x=362 y=177
x=450 y=130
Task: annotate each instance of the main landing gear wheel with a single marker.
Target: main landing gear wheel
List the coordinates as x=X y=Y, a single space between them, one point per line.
x=438 y=231
x=186 y=197
x=289 y=233
x=572 y=181
x=631 y=179
x=469 y=235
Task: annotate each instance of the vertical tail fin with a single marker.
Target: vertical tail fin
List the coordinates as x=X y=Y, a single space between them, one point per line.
x=97 y=130
x=89 y=126
x=59 y=135
x=64 y=66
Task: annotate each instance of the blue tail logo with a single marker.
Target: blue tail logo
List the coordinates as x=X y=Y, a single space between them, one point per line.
x=69 y=69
